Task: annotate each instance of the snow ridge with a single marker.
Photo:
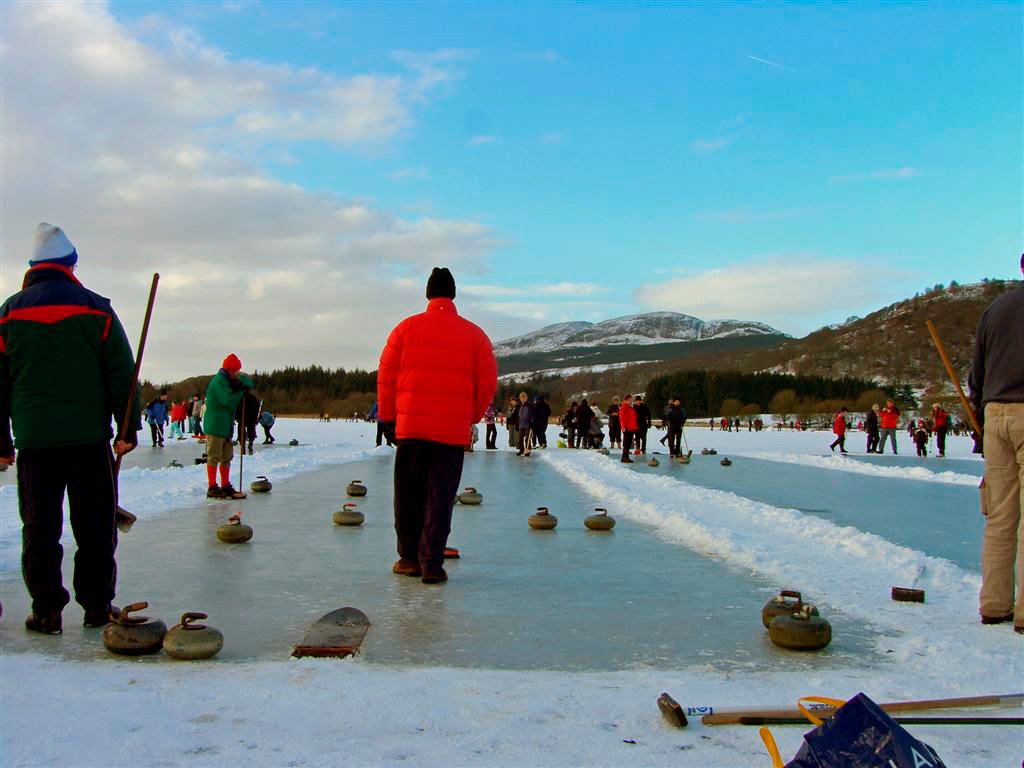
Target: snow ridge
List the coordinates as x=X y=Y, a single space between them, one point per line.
x=841 y=464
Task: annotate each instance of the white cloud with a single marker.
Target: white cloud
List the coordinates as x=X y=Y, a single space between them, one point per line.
x=410 y=173
x=557 y=290
x=712 y=145
x=783 y=290
x=904 y=173
x=144 y=145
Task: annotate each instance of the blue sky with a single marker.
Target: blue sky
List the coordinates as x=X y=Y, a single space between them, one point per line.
x=789 y=163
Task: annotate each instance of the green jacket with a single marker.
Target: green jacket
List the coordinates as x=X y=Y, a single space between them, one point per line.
x=65 y=365
x=222 y=398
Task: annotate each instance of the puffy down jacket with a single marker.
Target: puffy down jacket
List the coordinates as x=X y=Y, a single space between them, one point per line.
x=437 y=376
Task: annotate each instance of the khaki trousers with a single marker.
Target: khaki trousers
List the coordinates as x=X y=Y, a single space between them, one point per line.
x=1003 y=544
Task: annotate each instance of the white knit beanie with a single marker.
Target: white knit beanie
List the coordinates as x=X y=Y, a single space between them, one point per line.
x=53 y=247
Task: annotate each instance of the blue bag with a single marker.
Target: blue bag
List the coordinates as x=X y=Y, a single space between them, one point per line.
x=859 y=735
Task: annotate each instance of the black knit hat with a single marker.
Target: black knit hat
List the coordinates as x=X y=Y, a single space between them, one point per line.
x=441 y=284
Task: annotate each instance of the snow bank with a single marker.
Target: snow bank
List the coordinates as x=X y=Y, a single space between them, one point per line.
x=840 y=463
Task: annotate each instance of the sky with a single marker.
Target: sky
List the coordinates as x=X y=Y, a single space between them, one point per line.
x=294 y=170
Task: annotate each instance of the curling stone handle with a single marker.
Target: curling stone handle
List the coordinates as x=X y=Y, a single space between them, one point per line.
x=791 y=593
x=602 y=511
x=134 y=607
x=349 y=505
x=470 y=489
x=542 y=510
x=188 y=618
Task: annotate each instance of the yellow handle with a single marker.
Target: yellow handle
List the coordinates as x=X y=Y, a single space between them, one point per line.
x=818 y=700
x=771 y=746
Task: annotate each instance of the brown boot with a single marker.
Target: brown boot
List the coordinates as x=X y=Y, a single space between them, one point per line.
x=435 y=577
x=406 y=568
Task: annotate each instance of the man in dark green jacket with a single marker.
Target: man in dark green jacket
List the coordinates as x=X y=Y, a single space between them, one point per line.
x=65 y=371
x=223 y=395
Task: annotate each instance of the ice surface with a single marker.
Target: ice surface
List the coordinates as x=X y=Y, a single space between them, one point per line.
x=251 y=707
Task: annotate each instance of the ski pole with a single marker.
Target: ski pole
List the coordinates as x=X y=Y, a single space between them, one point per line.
x=241 y=444
x=123 y=517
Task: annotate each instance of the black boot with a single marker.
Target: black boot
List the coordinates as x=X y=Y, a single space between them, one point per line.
x=50 y=624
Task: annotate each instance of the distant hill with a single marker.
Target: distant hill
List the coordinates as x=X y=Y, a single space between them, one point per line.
x=891 y=345
x=653 y=336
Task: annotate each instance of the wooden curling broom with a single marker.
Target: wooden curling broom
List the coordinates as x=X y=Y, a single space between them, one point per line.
x=711 y=715
x=124 y=518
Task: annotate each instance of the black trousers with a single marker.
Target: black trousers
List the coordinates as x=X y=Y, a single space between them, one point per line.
x=525 y=444
x=627 y=443
x=675 y=435
x=840 y=441
x=427 y=479
x=86 y=472
x=157 y=431
x=872 y=442
x=540 y=434
x=641 y=439
x=267 y=437
x=570 y=439
x=614 y=432
x=940 y=439
x=491 y=438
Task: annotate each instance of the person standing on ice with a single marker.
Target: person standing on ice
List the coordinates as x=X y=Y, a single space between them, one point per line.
x=996 y=383
x=839 y=430
x=871 y=428
x=627 y=416
x=491 y=435
x=157 y=416
x=66 y=370
x=539 y=423
x=437 y=375
x=614 y=426
x=524 y=416
x=197 y=416
x=888 y=419
x=267 y=422
x=940 y=423
x=512 y=422
x=223 y=395
x=675 y=418
x=643 y=420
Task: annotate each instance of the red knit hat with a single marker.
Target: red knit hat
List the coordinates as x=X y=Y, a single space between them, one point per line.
x=231 y=363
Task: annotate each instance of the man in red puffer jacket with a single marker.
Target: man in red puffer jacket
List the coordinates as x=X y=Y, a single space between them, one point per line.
x=630 y=424
x=436 y=378
x=888 y=419
x=839 y=430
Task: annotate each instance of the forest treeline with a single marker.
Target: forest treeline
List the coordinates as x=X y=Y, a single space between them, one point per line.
x=344 y=393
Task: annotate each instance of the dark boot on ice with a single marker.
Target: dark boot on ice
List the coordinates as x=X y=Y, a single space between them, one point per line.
x=50 y=624
x=213 y=492
x=228 y=492
x=435 y=577
x=406 y=568
x=100 y=617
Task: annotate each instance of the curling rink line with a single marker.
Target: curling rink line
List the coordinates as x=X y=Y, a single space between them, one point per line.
x=836 y=566
x=841 y=464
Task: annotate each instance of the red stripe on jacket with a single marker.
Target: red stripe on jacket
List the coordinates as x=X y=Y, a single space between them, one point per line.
x=55 y=313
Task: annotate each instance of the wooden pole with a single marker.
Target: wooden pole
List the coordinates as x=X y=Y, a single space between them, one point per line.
x=733 y=716
x=125 y=519
x=953 y=377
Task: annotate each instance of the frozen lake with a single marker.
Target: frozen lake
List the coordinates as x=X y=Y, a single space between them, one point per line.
x=543 y=647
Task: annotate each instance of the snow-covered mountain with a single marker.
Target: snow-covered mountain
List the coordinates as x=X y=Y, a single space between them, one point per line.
x=649 y=328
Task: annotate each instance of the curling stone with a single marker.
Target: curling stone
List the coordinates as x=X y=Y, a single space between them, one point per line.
x=800 y=631
x=189 y=641
x=684 y=459
x=134 y=635
x=348 y=515
x=356 y=488
x=234 y=532
x=261 y=485
x=175 y=464
x=471 y=497
x=603 y=451
x=653 y=462
x=293 y=442
x=543 y=520
x=725 y=462
x=600 y=521
x=787 y=601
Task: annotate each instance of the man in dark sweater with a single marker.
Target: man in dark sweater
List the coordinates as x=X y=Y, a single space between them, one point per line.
x=65 y=372
x=997 y=392
x=643 y=418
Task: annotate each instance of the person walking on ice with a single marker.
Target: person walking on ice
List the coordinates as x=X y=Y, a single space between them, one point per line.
x=839 y=430
x=223 y=395
x=66 y=370
x=437 y=375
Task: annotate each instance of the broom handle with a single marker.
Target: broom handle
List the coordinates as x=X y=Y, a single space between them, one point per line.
x=138 y=367
x=953 y=377
x=734 y=716
x=241 y=442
